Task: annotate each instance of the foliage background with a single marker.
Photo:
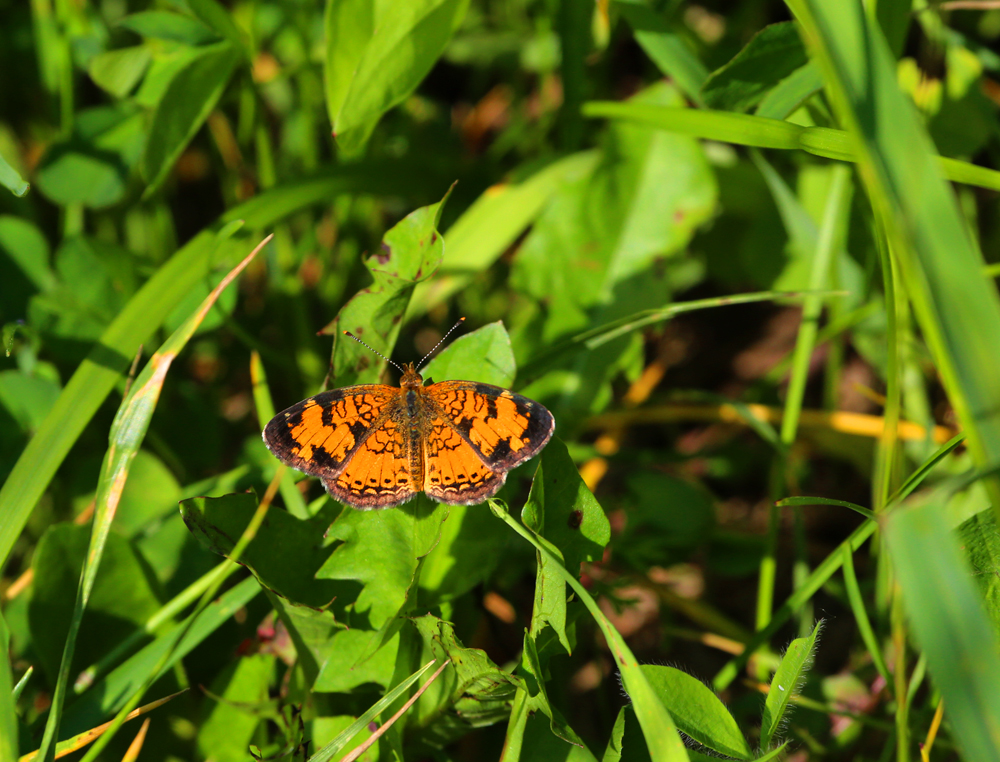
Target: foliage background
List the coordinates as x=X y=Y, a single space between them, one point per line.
x=656 y=230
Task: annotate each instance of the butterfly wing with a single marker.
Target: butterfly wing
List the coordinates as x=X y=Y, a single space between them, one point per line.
x=477 y=434
x=348 y=437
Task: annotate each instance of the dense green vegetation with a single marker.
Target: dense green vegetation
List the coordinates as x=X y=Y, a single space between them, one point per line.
x=741 y=250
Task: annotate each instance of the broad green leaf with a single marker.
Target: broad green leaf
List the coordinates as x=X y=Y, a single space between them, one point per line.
x=93 y=166
x=667 y=49
x=667 y=518
x=150 y=493
x=589 y=257
x=771 y=55
x=613 y=752
x=344 y=666
x=118 y=71
x=28 y=399
x=110 y=693
x=11 y=179
x=948 y=621
x=285 y=554
x=164 y=25
x=383 y=551
x=23 y=243
x=122 y=599
x=183 y=108
x=697 y=711
x=410 y=253
x=486 y=229
x=387 y=49
x=562 y=509
x=484 y=355
x=8 y=711
x=657 y=726
x=227 y=729
x=787 y=682
x=978 y=537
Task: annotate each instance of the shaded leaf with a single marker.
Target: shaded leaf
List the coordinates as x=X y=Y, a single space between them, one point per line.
x=164 y=25
x=227 y=729
x=186 y=103
x=697 y=711
x=118 y=71
x=771 y=55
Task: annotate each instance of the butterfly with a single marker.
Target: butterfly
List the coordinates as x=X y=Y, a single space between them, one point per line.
x=378 y=446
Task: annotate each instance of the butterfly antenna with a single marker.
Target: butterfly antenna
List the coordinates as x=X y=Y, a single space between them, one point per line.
x=460 y=321
x=348 y=333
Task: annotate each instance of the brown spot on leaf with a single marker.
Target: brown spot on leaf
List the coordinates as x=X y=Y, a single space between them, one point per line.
x=575 y=519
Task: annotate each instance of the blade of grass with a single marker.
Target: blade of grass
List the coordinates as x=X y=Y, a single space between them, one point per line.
x=747 y=130
x=827 y=501
x=127 y=433
x=861 y=617
x=948 y=621
x=612 y=330
x=8 y=701
x=958 y=311
x=662 y=740
x=132 y=753
x=344 y=737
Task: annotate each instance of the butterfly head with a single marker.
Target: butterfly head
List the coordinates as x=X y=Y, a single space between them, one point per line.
x=411 y=378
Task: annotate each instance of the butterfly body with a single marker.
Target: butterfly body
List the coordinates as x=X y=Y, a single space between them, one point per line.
x=377 y=446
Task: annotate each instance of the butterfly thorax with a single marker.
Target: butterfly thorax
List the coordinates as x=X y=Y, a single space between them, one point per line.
x=411 y=379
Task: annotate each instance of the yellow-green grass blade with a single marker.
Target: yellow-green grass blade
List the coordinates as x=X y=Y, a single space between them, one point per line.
x=948 y=621
x=761 y=132
x=658 y=727
x=97 y=375
x=957 y=309
x=127 y=433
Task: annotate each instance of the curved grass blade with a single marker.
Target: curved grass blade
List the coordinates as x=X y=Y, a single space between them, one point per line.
x=344 y=737
x=826 y=501
x=8 y=711
x=747 y=130
x=610 y=331
x=657 y=726
x=127 y=433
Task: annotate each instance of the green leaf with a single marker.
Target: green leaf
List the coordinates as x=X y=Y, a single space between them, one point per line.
x=93 y=166
x=562 y=509
x=665 y=47
x=164 y=25
x=483 y=355
x=118 y=71
x=771 y=55
x=613 y=752
x=28 y=399
x=219 y=19
x=224 y=734
x=8 y=710
x=377 y=55
x=948 y=621
x=344 y=666
x=183 y=108
x=410 y=253
x=490 y=225
x=697 y=711
x=284 y=556
x=11 y=179
x=787 y=682
x=978 y=537
x=26 y=247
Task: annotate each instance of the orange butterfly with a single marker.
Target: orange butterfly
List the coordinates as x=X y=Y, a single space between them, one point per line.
x=377 y=446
